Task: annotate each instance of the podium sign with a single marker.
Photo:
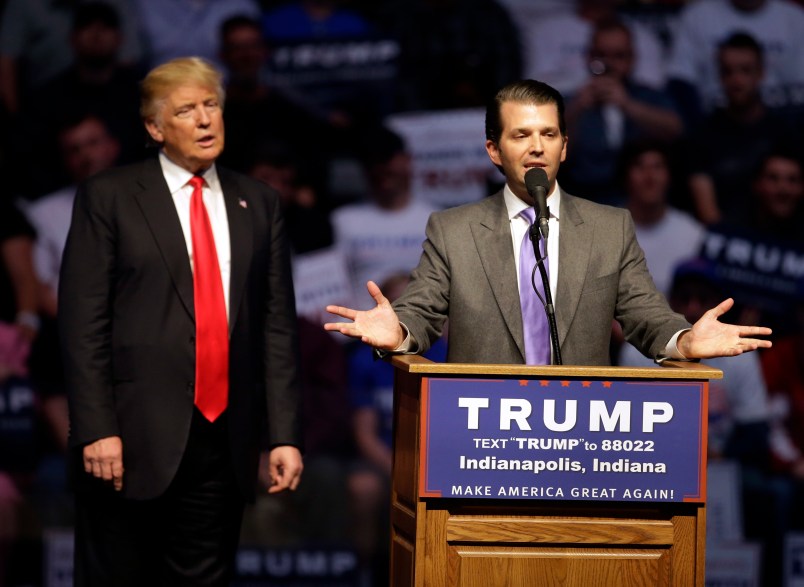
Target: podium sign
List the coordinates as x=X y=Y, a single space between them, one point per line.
x=622 y=440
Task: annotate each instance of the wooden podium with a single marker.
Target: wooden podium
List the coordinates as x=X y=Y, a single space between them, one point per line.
x=467 y=542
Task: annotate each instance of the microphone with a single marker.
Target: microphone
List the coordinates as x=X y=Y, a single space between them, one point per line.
x=537 y=183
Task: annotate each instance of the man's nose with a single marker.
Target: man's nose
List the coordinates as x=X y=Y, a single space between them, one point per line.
x=203 y=117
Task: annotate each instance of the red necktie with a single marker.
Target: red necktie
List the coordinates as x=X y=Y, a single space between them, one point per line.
x=211 y=325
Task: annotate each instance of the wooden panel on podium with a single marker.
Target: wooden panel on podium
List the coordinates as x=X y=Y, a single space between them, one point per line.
x=522 y=543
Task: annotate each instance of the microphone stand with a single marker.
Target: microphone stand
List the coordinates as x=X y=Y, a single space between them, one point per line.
x=535 y=234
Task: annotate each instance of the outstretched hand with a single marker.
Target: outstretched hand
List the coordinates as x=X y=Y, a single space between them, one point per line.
x=378 y=327
x=710 y=338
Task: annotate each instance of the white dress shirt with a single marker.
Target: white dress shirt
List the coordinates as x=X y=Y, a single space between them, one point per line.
x=520 y=225
x=181 y=191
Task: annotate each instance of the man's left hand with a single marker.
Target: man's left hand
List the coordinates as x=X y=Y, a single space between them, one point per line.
x=284 y=468
x=710 y=338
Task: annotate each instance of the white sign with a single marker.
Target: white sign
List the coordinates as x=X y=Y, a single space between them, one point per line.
x=320 y=278
x=733 y=565
x=450 y=163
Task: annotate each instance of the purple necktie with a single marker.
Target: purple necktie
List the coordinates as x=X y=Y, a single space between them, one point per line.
x=534 y=318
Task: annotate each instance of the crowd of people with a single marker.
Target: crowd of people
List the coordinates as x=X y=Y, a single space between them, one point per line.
x=688 y=114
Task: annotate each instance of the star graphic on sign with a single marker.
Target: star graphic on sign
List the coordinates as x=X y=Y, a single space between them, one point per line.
x=523 y=382
x=565 y=384
x=544 y=382
x=607 y=384
x=586 y=383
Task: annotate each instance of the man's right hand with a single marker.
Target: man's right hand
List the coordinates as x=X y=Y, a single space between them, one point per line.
x=378 y=327
x=104 y=460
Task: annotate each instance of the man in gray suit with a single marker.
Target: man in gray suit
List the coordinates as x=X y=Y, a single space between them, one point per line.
x=597 y=271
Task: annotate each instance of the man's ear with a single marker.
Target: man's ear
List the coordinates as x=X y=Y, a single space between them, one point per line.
x=494 y=152
x=154 y=130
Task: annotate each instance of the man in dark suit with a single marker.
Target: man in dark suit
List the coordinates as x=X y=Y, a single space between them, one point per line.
x=468 y=269
x=178 y=332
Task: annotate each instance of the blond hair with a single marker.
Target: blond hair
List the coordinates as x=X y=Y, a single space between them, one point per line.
x=165 y=78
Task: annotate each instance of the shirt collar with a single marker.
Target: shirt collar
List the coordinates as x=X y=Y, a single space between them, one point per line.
x=515 y=205
x=177 y=176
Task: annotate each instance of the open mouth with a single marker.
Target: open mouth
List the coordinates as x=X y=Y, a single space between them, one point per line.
x=206 y=140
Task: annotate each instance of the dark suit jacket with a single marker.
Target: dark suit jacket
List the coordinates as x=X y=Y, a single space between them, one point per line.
x=127 y=326
x=467 y=273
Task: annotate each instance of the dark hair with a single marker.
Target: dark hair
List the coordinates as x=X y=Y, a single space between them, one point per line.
x=612 y=24
x=236 y=22
x=74 y=117
x=378 y=145
x=274 y=153
x=784 y=149
x=95 y=12
x=526 y=91
x=743 y=40
x=633 y=150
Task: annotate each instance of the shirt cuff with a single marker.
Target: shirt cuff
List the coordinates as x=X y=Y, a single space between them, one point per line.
x=408 y=345
x=671 y=352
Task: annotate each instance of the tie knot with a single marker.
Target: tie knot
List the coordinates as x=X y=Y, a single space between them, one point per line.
x=197 y=182
x=528 y=214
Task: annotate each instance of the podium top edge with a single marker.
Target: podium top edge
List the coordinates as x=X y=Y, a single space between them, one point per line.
x=668 y=370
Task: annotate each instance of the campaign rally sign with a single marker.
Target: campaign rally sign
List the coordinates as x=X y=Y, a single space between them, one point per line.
x=319 y=278
x=760 y=271
x=563 y=440
x=450 y=163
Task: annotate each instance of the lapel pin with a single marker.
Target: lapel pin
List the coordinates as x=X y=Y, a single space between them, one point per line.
x=243 y=204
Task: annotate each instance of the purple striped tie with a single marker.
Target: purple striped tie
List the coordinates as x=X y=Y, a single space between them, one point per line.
x=534 y=318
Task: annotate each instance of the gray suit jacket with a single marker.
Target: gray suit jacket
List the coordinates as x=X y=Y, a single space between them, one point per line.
x=467 y=274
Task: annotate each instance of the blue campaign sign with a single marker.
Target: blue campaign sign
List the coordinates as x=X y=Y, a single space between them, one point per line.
x=565 y=440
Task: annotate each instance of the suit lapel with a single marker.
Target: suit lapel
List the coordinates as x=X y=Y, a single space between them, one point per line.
x=574 y=248
x=160 y=213
x=492 y=236
x=240 y=236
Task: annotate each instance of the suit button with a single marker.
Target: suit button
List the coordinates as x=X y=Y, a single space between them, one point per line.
x=191 y=387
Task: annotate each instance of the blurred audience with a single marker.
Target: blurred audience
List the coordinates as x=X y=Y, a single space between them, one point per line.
x=759 y=251
x=726 y=148
x=34 y=41
x=454 y=53
x=306 y=218
x=783 y=368
x=556 y=45
x=257 y=111
x=19 y=326
x=178 y=28
x=609 y=110
x=86 y=147
x=666 y=234
x=704 y=24
x=308 y=19
x=96 y=82
x=383 y=235
x=333 y=57
x=776 y=207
